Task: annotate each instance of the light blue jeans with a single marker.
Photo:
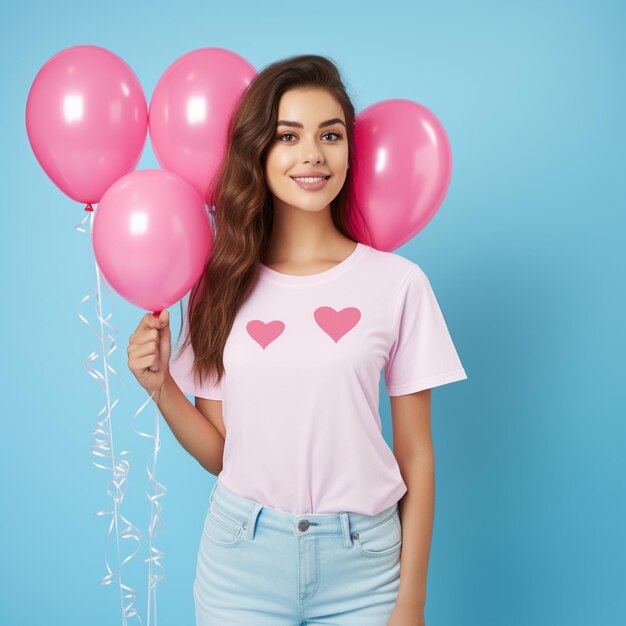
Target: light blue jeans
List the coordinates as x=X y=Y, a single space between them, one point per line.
x=258 y=566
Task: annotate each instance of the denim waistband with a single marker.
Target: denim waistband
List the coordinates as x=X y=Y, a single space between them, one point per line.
x=248 y=513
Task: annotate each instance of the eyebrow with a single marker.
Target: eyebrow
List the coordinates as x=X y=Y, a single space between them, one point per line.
x=335 y=120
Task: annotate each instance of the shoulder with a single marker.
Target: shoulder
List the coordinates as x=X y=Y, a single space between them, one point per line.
x=396 y=269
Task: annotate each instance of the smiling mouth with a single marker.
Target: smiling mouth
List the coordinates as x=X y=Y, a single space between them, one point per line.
x=301 y=177
x=316 y=184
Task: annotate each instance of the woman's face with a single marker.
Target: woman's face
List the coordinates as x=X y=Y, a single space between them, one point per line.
x=310 y=137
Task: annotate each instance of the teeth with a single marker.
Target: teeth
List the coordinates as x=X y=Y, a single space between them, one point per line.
x=309 y=180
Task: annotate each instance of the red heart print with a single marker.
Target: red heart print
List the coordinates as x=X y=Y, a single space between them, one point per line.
x=264 y=333
x=336 y=323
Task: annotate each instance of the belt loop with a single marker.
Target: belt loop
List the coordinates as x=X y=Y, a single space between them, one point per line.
x=250 y=525
x=212 y=490
x=345 y=527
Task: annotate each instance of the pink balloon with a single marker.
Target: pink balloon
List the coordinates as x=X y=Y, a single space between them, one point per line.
x=87 y=120
x=152 y=238
x=190 y=110
x=403 y=171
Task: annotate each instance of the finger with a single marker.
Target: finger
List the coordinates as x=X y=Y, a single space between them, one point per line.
x=146 y=362
x=163 y=319
x=145 y=349
x=146 y=336
x=149 y=321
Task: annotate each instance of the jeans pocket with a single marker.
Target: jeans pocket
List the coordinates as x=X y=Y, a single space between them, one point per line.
x=382 y=539
x=221 y=529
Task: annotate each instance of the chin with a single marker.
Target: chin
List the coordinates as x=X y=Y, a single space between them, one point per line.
x=312 y=207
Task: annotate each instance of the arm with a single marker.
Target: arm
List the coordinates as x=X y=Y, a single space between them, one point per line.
x=413 y=450
x=212 y=410
x=195 y=432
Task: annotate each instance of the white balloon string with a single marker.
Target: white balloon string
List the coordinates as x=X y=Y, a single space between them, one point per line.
x=154 y=490
x=103 y=447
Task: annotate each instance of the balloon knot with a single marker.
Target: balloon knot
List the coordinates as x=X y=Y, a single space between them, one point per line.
x=89 y=207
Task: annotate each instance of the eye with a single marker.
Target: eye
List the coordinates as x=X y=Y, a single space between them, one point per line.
x=336 y=134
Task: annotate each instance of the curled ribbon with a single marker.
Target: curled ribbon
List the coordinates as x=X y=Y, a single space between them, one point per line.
x=154 y=490
x=103 y=448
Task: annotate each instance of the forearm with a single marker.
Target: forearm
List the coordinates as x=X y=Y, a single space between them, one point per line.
x=194 y=432
x=416 y=509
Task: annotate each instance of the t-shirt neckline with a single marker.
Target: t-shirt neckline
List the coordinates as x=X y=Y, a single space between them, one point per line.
x=308 y=279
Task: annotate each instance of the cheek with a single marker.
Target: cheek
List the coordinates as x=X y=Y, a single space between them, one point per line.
x=339 y=163
x=279 y=161
x=342 y=158
x=276 y=167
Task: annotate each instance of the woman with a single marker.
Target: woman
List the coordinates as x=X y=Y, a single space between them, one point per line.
x=288 y=331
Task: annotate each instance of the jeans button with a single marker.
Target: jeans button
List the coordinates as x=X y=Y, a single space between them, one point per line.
x=303 y=525
x=355 y=535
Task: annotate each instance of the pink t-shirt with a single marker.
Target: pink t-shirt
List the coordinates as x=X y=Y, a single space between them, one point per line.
x=300 y=391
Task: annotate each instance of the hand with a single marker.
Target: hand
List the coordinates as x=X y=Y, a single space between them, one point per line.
x=149 y=352
x=406 y=615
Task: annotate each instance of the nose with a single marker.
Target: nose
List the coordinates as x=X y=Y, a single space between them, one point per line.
x=311 y=153
x=314 y=157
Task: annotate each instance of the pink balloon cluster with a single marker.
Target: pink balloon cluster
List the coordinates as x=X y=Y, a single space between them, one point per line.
x=87 y=122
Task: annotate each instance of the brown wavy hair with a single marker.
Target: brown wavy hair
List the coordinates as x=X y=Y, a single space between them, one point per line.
x=243 y=210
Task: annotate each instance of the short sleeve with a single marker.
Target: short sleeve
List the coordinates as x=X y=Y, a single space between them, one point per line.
x=181 y=369
x=422 y=355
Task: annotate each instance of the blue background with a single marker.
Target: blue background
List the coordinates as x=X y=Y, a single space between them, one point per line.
x=524 y=257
